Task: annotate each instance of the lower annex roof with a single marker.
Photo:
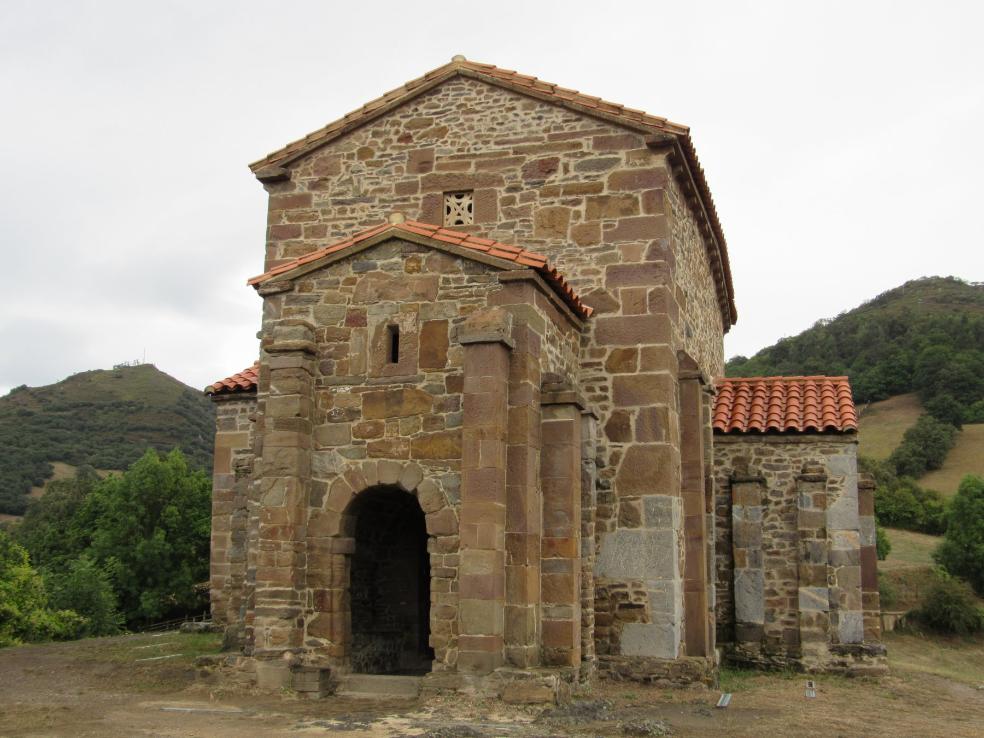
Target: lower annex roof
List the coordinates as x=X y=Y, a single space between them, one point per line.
x=784 y=405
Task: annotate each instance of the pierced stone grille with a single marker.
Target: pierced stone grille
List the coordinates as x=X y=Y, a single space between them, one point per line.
x=459 y=208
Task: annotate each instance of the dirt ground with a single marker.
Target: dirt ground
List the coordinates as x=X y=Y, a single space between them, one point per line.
x=99 y=688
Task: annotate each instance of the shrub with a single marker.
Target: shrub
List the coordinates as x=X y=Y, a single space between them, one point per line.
x=950 y=607
x=962 y=551
x=883 y=546
x=887 y=594
x=902 y=503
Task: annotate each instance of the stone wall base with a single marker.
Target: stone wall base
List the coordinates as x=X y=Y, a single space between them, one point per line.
x=515 y=686
x=662 y=672
x=852 y=659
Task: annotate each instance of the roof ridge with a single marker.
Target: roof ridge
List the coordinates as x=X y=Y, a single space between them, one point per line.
x=784 y=378
x=695 y=181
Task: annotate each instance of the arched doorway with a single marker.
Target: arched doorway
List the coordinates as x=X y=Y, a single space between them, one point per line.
x=390 y=584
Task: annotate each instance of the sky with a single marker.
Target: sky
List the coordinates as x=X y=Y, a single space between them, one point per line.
x=842 y=142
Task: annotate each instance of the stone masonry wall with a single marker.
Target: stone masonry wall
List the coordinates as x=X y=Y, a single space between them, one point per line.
x=788 y=550
x=374 y=421
x=233 y=467
x=601 y=205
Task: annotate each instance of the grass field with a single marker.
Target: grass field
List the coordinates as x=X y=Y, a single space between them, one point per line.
x=883 y=424
x=908 y=550
x=908 y=571
x=966 y=457
x=959 y=659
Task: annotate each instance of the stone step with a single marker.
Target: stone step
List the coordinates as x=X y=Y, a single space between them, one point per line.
x=379 y=686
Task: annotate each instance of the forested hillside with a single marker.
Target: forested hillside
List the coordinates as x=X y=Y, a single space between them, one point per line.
x=926 y=336
x=105 y=419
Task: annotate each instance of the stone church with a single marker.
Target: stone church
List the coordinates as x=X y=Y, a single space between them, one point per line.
x=488 y=440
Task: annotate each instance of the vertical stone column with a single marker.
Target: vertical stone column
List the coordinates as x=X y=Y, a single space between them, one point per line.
x=844 y=541
x=710 y=496
x=486 y=338
x=697 y=635
x=283 y=479
x=560 y=477
x=871 y=599
x=589 y=497
x=747 y=494
x=523 y=502
x=814 y=594
x=230 y=482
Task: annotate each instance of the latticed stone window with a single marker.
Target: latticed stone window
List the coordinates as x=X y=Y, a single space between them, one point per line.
x=459 y=208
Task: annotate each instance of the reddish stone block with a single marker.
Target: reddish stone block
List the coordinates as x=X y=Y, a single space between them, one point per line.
x=420 y=161
x=434 y=344
x=637 y=179
x=604 y=207
x=632 y=330
x=291 y=201
x=641 y=228
x=540 y=169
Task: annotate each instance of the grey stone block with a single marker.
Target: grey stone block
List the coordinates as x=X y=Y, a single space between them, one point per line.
x=814 y=599
x=843 y=514
x=749 y=595
x=650 y=639
x=842 y=465
x=662 y=512
x=868 y=535
x=850 y=626
x=638 y=554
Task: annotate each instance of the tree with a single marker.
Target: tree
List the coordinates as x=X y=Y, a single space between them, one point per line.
x=88 y=590
x=24 y=611
x=946 y=410
x=47 y=530
x=149 y=530
x=924 y=446
x=962 y=551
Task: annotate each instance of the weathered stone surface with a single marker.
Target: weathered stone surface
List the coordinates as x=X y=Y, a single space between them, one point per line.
x=637 y=554
x=395 y=403
x=650 y=639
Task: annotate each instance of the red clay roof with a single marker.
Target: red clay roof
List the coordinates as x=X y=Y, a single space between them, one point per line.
x=487 y=246
x=549 y=92
x=244 y=381
x=784 y=404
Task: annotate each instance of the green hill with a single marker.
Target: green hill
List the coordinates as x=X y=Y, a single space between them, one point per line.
x=102 y=418
x=926 y=336
x=915 y=357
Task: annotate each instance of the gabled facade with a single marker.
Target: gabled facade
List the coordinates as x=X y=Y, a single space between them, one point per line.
x=479 y=442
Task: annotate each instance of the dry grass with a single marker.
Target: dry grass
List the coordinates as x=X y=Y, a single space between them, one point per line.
x=966 y=457
x=882 y=424
x=98 y=688
x=959 y=659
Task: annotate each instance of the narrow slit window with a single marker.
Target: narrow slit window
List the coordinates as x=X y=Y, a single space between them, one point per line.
x=459 y=208
x=393 y=332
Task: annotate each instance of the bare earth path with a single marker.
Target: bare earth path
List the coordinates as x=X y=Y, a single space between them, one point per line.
x=98 y=688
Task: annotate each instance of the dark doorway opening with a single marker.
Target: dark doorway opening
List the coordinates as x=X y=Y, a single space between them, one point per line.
x=390 y=585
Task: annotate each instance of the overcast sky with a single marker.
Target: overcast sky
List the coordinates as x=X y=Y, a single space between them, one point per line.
x=842 y=142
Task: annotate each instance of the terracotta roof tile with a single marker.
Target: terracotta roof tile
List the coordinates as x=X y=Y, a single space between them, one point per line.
x=784 y=405
x=506 y=252
x=244 y=381
x=526 y=84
